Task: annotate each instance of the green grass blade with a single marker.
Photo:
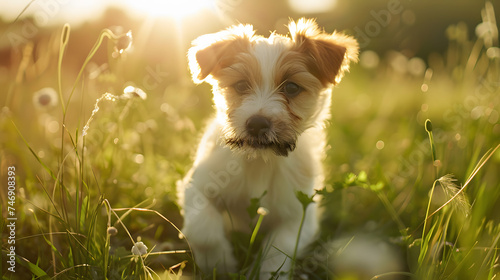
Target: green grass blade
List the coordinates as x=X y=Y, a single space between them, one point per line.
x=33 y=268
x=34 y=154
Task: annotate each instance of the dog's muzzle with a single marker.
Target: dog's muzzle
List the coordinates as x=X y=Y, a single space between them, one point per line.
x=259 y=130
x=258 y=126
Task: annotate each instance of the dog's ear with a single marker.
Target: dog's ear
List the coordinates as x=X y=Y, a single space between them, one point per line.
x=213 y=52
x=330 y=53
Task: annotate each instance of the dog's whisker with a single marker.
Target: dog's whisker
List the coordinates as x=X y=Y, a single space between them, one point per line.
x=278 y=87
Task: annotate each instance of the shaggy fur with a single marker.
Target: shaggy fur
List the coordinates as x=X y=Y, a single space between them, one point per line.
x=272 y=97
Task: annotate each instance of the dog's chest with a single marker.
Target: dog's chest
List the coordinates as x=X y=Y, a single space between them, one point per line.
x=274 y=183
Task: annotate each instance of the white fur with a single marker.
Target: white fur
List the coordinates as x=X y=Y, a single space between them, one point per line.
x=222 y=180
x=217 y=190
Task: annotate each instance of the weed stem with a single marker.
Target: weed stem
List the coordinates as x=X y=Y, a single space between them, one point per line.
x=252 y=239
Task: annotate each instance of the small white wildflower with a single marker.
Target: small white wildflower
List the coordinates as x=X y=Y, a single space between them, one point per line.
x=262 y=211
x=131 y=91
x=139 y=249
x=45 y=98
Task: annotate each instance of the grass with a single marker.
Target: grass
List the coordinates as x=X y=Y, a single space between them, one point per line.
x=427 y=194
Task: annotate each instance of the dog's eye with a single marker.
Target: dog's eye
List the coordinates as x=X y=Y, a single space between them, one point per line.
x=241 y=86
x=291 y=89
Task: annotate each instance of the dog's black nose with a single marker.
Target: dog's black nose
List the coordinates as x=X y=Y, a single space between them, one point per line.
x=258 y=125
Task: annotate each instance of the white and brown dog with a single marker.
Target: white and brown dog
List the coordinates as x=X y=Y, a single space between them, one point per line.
x=272 y=97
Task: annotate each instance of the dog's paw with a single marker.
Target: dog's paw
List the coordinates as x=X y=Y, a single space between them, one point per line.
x=218 y=256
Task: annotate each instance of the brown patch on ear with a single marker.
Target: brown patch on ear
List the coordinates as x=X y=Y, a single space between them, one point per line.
x=213 y=52
x=330 y=54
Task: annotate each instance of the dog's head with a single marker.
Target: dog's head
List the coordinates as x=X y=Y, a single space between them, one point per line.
x=268 y=91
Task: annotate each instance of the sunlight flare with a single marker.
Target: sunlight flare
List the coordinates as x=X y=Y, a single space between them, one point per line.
x=168 y=8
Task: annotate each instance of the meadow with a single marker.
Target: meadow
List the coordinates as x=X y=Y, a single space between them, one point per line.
x=95 y=151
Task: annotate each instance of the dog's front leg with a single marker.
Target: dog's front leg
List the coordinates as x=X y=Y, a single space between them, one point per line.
x=204 y=229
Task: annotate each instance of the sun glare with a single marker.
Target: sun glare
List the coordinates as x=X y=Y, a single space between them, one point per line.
x=168 y=8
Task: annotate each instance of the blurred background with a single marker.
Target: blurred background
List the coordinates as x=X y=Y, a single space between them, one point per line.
x=419 y=60
x=416 y=28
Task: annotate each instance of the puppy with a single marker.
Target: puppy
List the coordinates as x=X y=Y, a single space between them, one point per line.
x=272 y=97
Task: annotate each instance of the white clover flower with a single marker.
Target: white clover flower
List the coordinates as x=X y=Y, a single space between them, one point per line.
x=139 y=249
x=45 y=98
x=262 y=211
